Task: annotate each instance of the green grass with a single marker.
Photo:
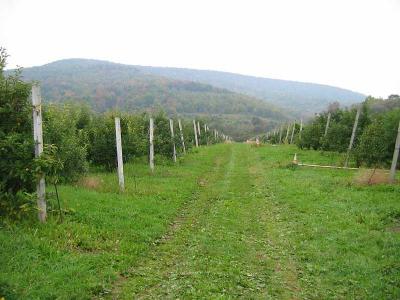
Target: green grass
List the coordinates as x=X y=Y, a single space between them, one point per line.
x=345 y=237
x=229 y=221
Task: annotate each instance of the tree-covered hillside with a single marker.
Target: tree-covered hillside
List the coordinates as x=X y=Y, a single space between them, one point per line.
x=299 y=97
x=109 y=86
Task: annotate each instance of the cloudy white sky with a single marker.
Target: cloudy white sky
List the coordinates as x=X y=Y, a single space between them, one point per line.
x=353 y=44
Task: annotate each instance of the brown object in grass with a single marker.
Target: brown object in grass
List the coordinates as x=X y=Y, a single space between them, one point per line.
x=371 y=177
x=91 y=182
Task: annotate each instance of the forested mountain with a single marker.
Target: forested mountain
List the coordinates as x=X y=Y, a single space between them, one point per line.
x=107 y=86
x=302 y=98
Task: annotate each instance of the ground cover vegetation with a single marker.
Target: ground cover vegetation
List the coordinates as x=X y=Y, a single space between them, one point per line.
x=230 y=220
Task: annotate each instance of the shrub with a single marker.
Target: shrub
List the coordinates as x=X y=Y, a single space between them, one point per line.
x=64 y=127
x=18 y=166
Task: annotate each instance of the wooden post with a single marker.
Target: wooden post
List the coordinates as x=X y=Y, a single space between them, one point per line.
x=353 y=135
x=181 y=132
x=195 y=133
x=327 y=124
x=198 y=128
x=301 y=128
x=151 y=138
x=280 y=134
x=119 y=154
x=294 y=127
x=287 y=133
x=38 y=139
x=171 y=127
x=205 y=133
x=395 y=157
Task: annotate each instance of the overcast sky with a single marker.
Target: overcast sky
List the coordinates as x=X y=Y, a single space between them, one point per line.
x=353 y=44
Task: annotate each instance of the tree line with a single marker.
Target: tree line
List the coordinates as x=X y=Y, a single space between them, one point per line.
x=331 y=130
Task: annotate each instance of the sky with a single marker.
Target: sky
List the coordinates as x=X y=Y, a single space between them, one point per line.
x=353 y=44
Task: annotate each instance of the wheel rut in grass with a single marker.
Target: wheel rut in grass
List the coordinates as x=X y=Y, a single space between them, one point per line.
x=225 y=243
x=185 y=218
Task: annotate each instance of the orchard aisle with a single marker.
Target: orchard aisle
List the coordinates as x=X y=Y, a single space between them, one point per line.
x=227 y=221
x=228 y=242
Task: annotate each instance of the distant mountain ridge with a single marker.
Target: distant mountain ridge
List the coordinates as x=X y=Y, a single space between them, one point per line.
x=105 y=85
x=303 y=98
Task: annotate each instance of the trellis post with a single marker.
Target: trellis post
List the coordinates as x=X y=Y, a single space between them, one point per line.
x=119 y=154
x=38 y=140
x=395 y=157
x=195 y=133
x=294 y=127
x=327 y=124
x=171 y=127
x=287 y=133
x=198 y=129
x=353 y=135
x=151 y=139
x=182 y=139
x=301 y=128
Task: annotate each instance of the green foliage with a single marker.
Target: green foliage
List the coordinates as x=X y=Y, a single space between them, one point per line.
x=17 y=165
x=340 y=129
x=101 y=147
x=378 y=140
x=375 y=134
x=371 y=149
x=311 y=134
x=65 y=128
x=135 y=137
x=162 y=135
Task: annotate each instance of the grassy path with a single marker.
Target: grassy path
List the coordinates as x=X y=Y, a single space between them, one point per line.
x=227 y=243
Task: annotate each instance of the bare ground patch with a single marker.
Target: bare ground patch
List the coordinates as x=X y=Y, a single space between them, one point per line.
x=371 y=177
x=91 y=182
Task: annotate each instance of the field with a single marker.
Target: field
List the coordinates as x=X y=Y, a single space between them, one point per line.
x=227 y=221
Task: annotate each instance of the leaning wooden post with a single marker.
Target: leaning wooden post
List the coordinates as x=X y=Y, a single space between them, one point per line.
x=151 y=139
x=198 y=129
x=327 y=124
x=181 y=132
x=395 y=157
x=294 y=127
x=205 y=133
x=195 y=133
x=119 y=154
x=353 y=135
x=171 y=127
x=38 y=139
x=287 y=133
x=301 y=128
